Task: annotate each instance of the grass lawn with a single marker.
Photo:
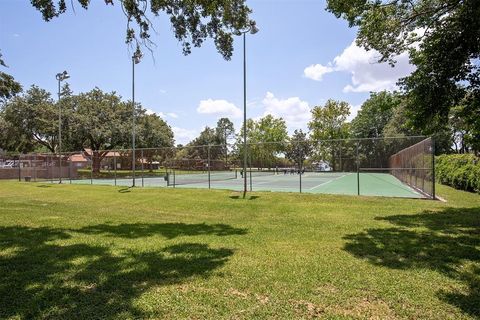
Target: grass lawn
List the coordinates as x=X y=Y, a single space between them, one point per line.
x=86 y=252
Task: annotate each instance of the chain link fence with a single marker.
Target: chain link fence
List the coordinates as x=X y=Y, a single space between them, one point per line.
x=394 y=167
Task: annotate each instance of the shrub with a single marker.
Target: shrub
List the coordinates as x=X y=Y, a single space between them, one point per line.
x=461 y=171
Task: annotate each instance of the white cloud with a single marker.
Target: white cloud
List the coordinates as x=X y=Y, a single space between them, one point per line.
x=184 y=136
x=16 y=35
x=316 y=71
x=295 y=111
x=161 y=114
x=162 y=91
x=223 y=107
x=367 y=74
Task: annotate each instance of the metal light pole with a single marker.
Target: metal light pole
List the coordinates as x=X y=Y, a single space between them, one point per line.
x=60 y=77
x=252 y=30
x=137 y=56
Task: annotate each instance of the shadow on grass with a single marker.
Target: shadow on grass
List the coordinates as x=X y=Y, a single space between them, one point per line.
x=167 y=230
x=246 y=198
x=44 y=273
x=447 y=241
x=124 y=190
x=44 y=186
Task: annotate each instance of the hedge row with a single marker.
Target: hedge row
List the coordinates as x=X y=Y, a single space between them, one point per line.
x=461 y=171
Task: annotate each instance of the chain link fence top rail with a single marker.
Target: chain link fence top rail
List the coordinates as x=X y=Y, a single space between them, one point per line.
x=396 y=167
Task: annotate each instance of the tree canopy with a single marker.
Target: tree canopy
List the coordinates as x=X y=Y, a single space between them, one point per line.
x=330 y=121
x=298 y=149
x=93 y=120
x=32 y=116
x=375 y=115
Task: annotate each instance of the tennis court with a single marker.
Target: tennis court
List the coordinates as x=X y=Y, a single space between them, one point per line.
x=347 y=183
x=391 y=167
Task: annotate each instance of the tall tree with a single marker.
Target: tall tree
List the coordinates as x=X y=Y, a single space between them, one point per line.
x=205 y=146
x=154 y=134
x=298 y=149
x=34 y=116
x=12 y=139
x=101 y=122
x=266 y=138
x=225 y=130
x=329 y=122
x=375 y=114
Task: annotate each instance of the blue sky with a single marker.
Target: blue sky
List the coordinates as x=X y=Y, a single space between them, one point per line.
x=301 y=57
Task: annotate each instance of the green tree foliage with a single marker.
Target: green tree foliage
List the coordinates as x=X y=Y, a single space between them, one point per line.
x=466 y=131
x=266 y=138
x=395 y=26
x=375 y=114
x=156 y=136
x=205 y=146
x=34 y=117
x=329 y=122
x=102 y=122
x=8 y=86
x=442 y=37
x=12 y=139
x=398 y=125
x=94 y=120
x=192 y=21
x=153 y=132
x=225 y=130
x=298 y=149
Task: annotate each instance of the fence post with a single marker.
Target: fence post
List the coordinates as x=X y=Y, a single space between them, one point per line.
x=250 y=170
x=433 y=168
x=35 y=167
x=19 y=169
x=208 y=165
x=300 y=165
x=91 y=167
x=142 y=160
x=50 y=168
x=358 y=171
x=70 y=169
x=341 y=161
x=115 y=168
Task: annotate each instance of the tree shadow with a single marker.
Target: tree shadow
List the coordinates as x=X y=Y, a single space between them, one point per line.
x=446 y=241
x=246 y=198
x=45 y=274
x=167 y=230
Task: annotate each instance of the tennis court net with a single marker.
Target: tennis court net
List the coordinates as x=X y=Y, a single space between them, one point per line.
x=189 y=177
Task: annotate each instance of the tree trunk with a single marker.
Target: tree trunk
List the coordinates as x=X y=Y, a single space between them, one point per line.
x=96 y=158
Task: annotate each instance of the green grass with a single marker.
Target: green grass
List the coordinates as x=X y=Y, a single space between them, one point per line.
x=86 y=252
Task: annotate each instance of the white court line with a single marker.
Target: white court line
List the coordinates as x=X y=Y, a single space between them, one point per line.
x=322 y=184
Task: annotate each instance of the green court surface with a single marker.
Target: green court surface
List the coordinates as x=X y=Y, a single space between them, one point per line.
x=347 y=183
